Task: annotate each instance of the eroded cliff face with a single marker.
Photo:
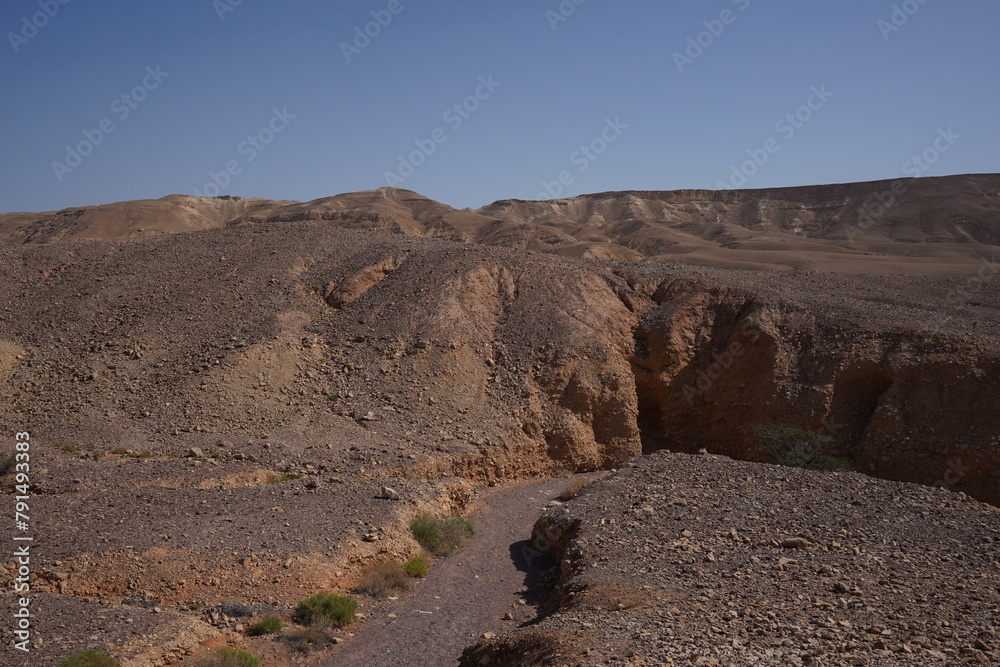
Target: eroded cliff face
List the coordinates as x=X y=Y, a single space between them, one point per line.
x=533 y=355
x=713 y=363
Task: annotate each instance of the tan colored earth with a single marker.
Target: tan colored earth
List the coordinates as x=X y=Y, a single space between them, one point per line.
x=217 y=391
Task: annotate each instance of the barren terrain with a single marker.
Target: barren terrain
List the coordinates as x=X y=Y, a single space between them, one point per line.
x=701 y=560
x=932 y=225
x=218 y=390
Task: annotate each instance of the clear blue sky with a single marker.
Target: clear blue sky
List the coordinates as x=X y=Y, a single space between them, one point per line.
x=557 y=90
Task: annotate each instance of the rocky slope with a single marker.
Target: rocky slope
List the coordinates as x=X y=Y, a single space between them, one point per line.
x=507 y=364
x=701 y=560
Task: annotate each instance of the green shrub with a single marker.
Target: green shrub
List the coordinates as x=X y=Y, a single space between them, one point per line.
x=266 y=626
x=441 y=536
x=792 y=446
x=417 y=567
x=383 y=578
x=337 y=609
x=230 y=657
x=89 y=659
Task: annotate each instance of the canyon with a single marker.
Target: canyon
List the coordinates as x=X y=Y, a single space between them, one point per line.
x=173 y=358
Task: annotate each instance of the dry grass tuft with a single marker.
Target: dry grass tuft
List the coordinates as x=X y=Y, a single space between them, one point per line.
x=383 y=578
x=441 y=536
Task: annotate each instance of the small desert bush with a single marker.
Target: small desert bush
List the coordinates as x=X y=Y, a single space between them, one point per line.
x=792 y=446
x=383 y=578
x=7 y=464
x=573 y=489
x=266 y=626
x=417 y=567
x=230 y=657
x=89 y=659
x=337 y=609
x=441 y=536
x=314 y=637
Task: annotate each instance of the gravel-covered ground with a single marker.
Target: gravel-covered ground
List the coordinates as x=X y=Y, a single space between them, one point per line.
x=484 y=587
x=702 y=560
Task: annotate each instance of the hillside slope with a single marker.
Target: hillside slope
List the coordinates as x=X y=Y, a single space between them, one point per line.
x=495 y=363
x=928 y=226
x=700 y=560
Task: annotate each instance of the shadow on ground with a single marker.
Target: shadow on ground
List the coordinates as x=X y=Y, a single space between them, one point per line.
x=538 y=569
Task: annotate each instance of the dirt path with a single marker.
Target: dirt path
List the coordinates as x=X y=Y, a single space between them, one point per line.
x=466 y=594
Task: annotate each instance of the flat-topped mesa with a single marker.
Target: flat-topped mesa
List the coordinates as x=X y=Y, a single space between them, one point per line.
x=876 y=227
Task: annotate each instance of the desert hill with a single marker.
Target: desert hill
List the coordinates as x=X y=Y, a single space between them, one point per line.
x=566 y=363
x=952 y=220
x=219 y=389
x=932 y=225
x=169 y=215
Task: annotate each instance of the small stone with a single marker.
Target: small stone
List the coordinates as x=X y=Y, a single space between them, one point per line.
x=487 y=635
x=795 y=543
x=508 y=616
x=389 y=493
x=195 y=452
